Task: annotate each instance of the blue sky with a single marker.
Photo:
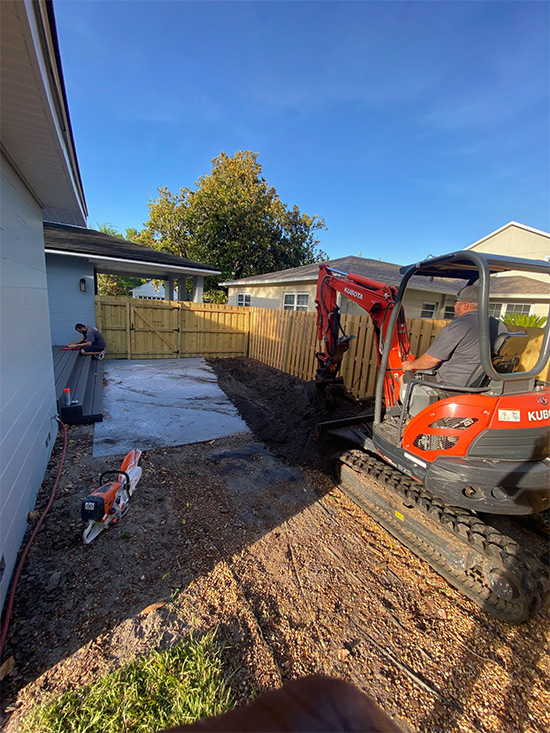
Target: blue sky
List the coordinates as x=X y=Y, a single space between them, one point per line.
x=413 y=128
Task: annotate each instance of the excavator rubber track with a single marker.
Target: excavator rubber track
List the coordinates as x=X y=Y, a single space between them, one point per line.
x=490 y=567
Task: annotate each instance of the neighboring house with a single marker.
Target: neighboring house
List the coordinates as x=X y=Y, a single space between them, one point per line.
x=519 y=294
x=39 y=179
x=515 y=293
x=295 y=289
x=148 y=291
x=75 y=256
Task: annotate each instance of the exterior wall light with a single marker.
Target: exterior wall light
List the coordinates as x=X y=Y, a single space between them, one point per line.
x=82 y=284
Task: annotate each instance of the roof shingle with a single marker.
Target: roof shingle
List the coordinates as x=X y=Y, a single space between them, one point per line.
x=385 y=272
x=72 y=239
x=388 y=272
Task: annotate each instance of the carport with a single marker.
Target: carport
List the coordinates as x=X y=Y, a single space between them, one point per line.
x=75 y=256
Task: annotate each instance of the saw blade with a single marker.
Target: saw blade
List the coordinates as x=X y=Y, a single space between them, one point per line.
x=92 y=530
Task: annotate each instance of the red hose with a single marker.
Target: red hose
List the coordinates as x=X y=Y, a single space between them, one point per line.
x=29 y=543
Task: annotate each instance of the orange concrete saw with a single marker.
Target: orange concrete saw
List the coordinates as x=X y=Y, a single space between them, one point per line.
x=110 y=502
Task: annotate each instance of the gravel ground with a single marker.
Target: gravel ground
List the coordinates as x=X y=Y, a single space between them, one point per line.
x=250 y=536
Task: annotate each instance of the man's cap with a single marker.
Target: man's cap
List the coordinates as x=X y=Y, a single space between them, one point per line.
x=469 y=294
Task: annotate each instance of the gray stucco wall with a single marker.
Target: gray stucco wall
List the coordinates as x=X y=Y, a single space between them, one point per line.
x=27 y=396
x=68 y=305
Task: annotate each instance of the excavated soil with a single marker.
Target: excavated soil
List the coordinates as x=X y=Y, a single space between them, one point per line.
x=248 y=535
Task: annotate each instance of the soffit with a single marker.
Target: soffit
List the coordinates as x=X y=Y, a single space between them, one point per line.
x=36 y=135
x=154 y=270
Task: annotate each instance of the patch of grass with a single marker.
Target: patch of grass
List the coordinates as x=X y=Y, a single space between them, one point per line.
x=166 y=688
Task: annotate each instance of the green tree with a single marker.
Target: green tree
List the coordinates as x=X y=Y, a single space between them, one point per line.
x=234 y=221
x=167 y=229
x=132 y=234
x=116 y=284
x=106 y=228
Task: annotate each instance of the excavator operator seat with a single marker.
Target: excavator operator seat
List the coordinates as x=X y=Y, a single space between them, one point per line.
x=507 y=350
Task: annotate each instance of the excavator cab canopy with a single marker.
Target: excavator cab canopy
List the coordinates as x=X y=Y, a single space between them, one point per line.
x=465 y=265
x=474 y=268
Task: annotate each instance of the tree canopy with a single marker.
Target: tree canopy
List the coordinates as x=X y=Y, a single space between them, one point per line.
x=234 y=221
x=116 y=284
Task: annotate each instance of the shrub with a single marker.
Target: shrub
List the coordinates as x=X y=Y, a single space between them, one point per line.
x=524 y=320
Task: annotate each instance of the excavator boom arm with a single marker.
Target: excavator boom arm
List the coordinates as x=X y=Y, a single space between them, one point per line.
x=378 y=300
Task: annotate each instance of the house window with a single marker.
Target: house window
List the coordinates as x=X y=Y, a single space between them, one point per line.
x=243 y=298
x=449 y=312
x=495 y=309
x=518 y=308
x=428 y=310
x=295 y=301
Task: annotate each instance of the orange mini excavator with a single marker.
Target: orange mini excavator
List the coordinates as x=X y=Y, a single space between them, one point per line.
x=461 y=474
x=111 y=501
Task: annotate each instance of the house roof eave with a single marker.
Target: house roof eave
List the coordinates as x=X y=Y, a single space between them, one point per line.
x=109 y=251
x=521 y=296
x=37 y=138
x=507 y=226
x=141 y=265
x=447 y=289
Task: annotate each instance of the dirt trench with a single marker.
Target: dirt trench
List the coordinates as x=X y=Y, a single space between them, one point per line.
x=248 y=535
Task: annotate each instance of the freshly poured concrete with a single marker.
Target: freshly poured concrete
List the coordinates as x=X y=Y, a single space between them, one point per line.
x=161 y=402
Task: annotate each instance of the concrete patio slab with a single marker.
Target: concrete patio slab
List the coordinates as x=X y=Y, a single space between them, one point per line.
x=153 y=403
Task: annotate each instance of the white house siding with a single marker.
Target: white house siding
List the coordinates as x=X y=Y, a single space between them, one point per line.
x=413 y=302
x=27 y=409
x=271 y=296
x=68 y=304
x=536 y=307
x=517 y=241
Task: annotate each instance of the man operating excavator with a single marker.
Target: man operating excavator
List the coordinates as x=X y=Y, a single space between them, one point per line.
x=454 y=354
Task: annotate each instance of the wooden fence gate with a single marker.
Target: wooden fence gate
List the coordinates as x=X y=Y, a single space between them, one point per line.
x=152 y=329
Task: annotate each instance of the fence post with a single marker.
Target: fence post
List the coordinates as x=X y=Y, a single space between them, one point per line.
x=178 y=321
x=98 y=313
x=128 y=330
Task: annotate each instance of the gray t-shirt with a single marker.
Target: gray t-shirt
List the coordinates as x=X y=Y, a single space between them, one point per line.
x=95 y=336
x=457 y=346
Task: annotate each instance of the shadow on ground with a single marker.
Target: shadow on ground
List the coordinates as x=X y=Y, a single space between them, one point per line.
x=239 y=534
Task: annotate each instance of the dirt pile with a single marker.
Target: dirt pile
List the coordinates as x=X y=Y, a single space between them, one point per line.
x=281 y=410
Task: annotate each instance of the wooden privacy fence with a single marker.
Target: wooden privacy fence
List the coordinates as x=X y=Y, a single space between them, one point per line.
x=285 y=340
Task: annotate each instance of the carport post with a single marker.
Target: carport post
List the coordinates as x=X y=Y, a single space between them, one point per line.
x=198 y=289
x=169 y=289
x=182 y=289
